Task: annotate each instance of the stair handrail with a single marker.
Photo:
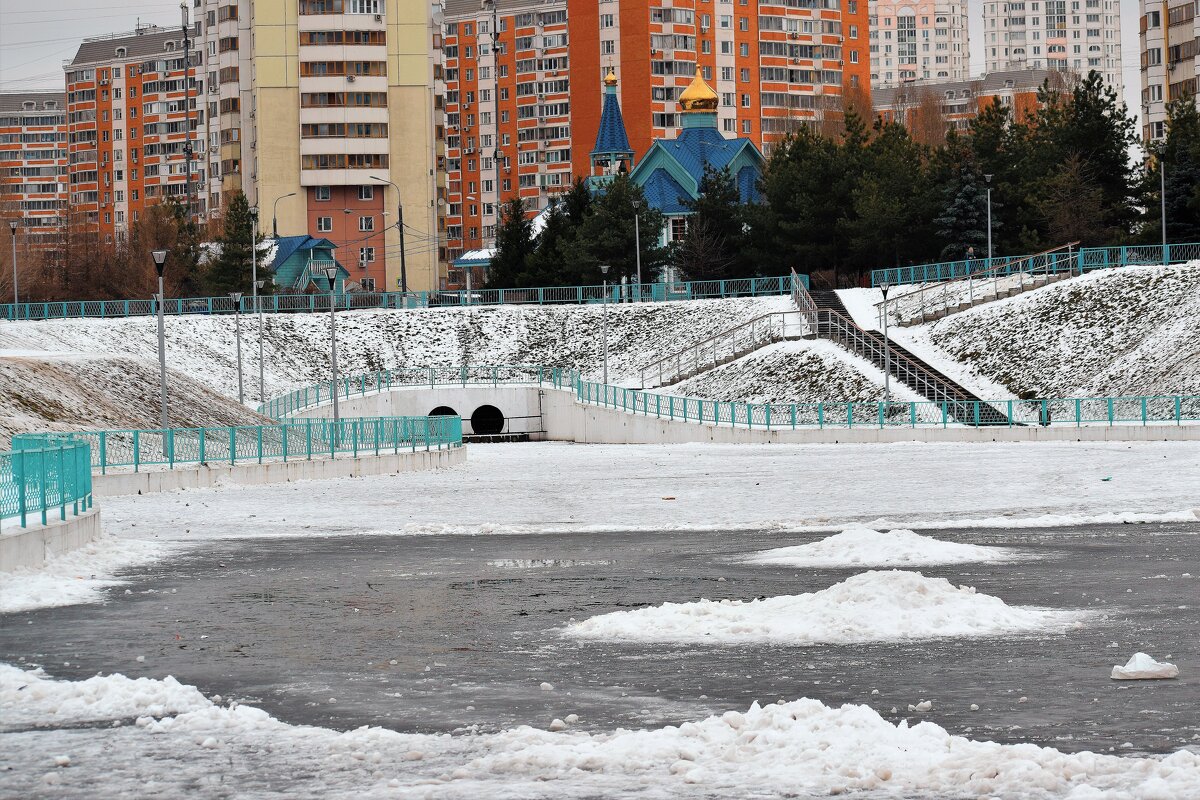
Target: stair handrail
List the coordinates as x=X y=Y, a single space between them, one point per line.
x=994 y=272
x=757 y=331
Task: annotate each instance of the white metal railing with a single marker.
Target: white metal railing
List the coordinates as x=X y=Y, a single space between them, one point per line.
x=725 y=346
x=1008 y=277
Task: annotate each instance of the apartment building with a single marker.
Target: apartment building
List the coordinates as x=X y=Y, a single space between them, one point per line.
x=33 y=167
x=918 y=40
x=524 y=84
x=132 y=116
x=226 y=42
x=1170 y=38
x=958 y=102
x=1062 y=35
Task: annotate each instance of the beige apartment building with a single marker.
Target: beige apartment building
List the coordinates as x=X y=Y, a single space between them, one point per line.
x=1170 y=39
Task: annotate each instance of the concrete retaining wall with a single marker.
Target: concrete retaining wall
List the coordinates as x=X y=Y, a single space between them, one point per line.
x=32 y=547
x=274 y=472
x=520 y=405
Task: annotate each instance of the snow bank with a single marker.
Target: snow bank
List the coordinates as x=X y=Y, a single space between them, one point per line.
x=864 y=547
x=100 y=392
x=79 y=576
x=870 y=607
x=796 y=748
x=807 y=371
x=1129 y=331
x=29 y=696
x=297 y=345
x=1142 y=667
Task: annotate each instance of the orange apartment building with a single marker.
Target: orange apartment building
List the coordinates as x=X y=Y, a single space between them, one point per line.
x=522 y=109
x=33 y=168
x=130 y=112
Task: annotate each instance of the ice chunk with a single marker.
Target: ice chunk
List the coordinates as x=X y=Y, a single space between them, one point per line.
x=1142 y=667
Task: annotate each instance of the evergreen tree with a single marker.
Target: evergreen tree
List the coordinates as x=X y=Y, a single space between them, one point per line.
x=607 y=235
x=551 y=262
x=231 y=270
x=514 y=244
x=963 y=221
x=1181 y=154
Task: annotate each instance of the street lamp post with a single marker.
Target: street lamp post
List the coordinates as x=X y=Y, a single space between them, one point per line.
x=236 y=297
x=12 y=226
x=887 y=352
x=331 y=274
x=604 y=323
x=262 y=392
x=275 y=215
x=160 y=260
x=1162 y=196
x=399 y=227
x=988 y=178
x=637 y=244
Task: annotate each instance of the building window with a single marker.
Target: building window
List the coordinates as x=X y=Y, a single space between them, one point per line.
x=366 y=255
x=322 y=193
x=366 y=224
x=366 y=193
x=324 y=224
x=678 y=228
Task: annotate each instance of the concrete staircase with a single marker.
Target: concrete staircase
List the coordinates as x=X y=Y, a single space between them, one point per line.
x=915 y=307
x=834 y=323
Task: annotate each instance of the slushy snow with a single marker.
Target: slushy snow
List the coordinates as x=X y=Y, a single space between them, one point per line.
x=801 y=747
x=1142 y=667
x=79 y=576
x=863 y=547
x=869 y=607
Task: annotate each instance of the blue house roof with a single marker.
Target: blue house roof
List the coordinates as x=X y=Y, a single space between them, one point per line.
x=290 y=265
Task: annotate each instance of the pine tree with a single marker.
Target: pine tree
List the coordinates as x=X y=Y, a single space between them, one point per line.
x=514 y=244
x=963 y=221
x=231 y=269
x=607 y=235
x=1181 y=155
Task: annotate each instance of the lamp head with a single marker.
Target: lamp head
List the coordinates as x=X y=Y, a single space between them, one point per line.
x=160 y=260
x=260 y=283
x=12 y=226
x=637 y=204
x=235 y=297
x=988 y=177
x=885 y=286
x=330 y=273
x=604 y=269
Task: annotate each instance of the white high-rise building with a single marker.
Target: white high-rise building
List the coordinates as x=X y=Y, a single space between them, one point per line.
x=918 y=40
x=1170 y=37
x=1065 y=35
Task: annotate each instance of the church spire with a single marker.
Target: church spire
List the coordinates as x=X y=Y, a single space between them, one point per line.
x=612 y=149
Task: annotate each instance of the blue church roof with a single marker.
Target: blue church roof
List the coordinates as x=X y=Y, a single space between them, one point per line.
x=611 y=138
x=670 y=173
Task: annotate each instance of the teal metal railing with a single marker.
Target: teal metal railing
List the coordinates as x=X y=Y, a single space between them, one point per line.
x=1078 y=262
x=1167 y=409
x=1138 y=410
x=294 y=440
x=44 y=472
x=386 y=380
x=279 y=303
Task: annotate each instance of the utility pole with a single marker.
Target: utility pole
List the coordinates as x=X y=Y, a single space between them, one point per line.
x=497 y=153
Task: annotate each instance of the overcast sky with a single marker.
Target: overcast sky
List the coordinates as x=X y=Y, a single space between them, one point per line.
x=35 y=38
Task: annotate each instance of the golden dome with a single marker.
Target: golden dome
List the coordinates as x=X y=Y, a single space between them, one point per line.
x=698 y=96
x=611 y=78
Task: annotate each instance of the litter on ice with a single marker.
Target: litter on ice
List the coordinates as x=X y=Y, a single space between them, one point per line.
x=1142 y=667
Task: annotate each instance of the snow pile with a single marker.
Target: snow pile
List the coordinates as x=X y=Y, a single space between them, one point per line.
x=297 y=345
x=869 y=607
x=47 y=392
x=863 y=547
x=806 y=371
x=1142 y=667
x=32 y=697
x=1129 y=331
x=797 y=748
x=79 y=576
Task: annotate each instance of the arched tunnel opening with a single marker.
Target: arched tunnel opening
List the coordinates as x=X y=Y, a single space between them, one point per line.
x=487 y=421
x=443 y=411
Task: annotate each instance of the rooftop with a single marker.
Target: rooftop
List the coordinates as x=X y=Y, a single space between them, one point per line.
x=14 y=102
x=140 y=44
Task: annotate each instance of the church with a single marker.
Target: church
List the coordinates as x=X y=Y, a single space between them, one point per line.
x=670 y=172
